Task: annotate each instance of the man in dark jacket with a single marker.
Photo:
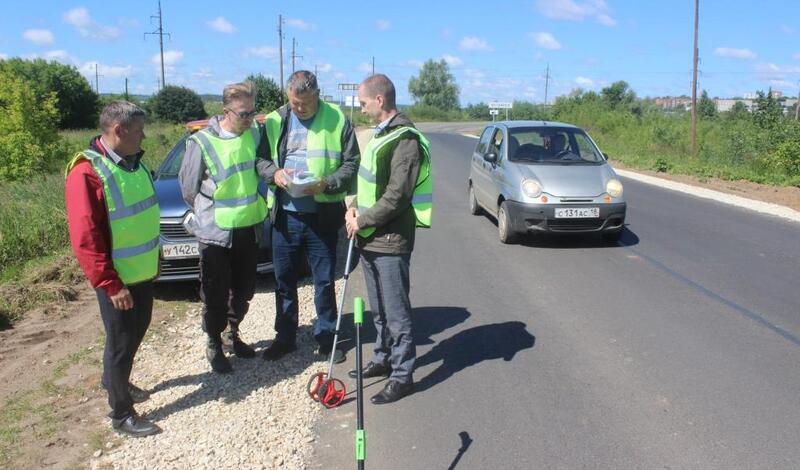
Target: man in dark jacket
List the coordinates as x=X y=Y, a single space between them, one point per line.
x=316 y=153
x=394 y=196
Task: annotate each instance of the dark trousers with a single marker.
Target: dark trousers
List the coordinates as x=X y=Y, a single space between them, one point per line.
x=294 y=236
x=124 y=332
x=228 y=281
x=388 y=285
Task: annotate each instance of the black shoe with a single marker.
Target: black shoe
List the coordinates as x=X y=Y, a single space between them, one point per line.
x=324 y=353
x=135 y=426
x=392 y=392
x=219 y=363
x=137 y=394
x=371 y=370
x=277 y=350
x=232 y=344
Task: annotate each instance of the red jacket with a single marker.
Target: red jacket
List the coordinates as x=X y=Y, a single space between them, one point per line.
x=89 y=230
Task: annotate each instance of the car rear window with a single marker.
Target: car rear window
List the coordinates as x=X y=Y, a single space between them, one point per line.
x=551 y=145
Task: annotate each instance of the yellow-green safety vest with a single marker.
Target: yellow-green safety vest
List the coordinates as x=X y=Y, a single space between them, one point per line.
x=232 y=164
x=323 y=146
x=377 y=149
x=133 y=216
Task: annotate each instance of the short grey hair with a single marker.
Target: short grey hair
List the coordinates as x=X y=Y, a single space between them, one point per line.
x=120 y=111
x=379 y=84
x=303 y=81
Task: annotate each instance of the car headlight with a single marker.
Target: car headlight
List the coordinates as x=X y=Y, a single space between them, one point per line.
x=187 y=223
x=614 y=188
x=531 y=188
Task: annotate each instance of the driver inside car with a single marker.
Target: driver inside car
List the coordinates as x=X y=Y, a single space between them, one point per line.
x=555 y=144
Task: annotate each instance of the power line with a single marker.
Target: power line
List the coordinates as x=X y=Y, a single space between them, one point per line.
x=160 y=32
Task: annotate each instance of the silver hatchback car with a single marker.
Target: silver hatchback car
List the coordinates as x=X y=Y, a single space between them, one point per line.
x=541 y=176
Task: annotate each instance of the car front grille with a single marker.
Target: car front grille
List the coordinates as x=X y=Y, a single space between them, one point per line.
x=180 y=267
x=174 y=232
x=575 y=224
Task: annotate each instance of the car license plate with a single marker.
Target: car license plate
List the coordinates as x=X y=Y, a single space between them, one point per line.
x=577 y=212
x=180 y=250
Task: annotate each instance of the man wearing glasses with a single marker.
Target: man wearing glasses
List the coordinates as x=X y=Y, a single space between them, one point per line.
x=219 y=181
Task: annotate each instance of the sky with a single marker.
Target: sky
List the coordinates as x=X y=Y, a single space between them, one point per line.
x=497 y=51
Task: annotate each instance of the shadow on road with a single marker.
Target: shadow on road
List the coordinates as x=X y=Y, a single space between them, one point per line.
x=571 y=241
x=472 y=346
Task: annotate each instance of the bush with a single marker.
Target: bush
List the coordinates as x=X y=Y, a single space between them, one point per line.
x=177 y=104
x=76 y=102
x=424 y=112
x=269 y=95
x=29 y=140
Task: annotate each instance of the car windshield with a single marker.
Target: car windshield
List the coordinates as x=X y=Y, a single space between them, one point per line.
x=561 y=145
x=172 y=164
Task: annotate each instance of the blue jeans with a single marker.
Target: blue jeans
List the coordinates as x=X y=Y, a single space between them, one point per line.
x=295 y=235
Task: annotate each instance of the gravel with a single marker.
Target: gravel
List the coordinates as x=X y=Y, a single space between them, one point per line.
x=260 y=416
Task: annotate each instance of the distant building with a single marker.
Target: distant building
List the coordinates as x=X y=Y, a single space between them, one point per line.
x=725 y=104
x=673 y=102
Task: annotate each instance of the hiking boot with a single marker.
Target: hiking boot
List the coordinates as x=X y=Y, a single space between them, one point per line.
x=219 y=363
x=232 y=344
x=135 y=426
x=277 y=350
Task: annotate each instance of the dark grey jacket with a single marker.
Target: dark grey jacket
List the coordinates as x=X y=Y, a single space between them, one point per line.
x=330 y=215
x=197 y=187
x=396 y=177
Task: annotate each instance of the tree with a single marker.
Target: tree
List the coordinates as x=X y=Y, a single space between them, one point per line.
x=28 y=131
x=269 y=95
x=76 y=102
x=435 y=86
x=618 y=94
x=706 y=108
x=738 y=111
x=177 y=104
x=767 y=112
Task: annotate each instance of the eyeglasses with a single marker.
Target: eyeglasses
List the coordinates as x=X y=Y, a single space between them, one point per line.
x=244 y=114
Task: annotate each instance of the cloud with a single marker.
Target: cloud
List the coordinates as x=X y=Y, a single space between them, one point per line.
x=221 y=25
x=3 y=56
x=474 y=74
x=106 y=71
x=472 y=43
x=129 y=23
x=60 y=56
x=79 y=18
x=796 y=56
x=324 y=68
x=364 y=67
x=263 y=52
x=573 y=10
x=204 y=72
x=40 y=37
x=452 y=61
x=546 y=41
x=772 y=71
x=584 y=82
x=786 y=29
x=170 y=58
x=383 y=25
x=300 y=24
x=733 y=53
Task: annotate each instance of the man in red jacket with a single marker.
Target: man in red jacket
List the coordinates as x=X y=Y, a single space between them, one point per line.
x=102 y=187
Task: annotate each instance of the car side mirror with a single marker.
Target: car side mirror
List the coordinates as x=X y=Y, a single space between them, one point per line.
x=490 y=157
x=605 y=155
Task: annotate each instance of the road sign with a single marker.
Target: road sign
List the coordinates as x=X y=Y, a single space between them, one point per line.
x=327 y=98
x=493 y=112
x=500 y=105
x=348 y=86
x=352 y=101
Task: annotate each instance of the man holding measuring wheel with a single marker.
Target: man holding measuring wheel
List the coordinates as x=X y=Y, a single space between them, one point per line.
x=394 y=196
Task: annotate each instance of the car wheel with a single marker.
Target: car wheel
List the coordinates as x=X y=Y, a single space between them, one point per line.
x=504 y=227
x=474 y=208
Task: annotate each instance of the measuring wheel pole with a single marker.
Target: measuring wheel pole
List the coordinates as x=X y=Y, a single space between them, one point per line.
x=361 y=439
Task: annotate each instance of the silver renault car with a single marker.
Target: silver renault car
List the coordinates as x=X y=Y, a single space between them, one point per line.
x=542 y=176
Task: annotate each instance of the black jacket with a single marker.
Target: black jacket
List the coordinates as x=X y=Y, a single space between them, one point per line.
x=331 y=214
x=396 y=177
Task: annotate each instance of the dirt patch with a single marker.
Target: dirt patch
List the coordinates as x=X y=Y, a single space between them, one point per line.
x=54 y=410
x=788 y=196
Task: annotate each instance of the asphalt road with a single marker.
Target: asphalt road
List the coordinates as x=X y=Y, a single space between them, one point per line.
x=679 y=348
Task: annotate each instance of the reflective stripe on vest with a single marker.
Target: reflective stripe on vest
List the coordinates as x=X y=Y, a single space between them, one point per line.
x=232 y=163
x=323 y=146
x=133 y=215
x=377 y=149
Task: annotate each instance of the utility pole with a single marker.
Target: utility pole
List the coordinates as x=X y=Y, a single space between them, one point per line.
x=280 y=49
x=546 y=83
x=294 y=56
x=160 y=32
x=373 y=65
x=694 y=80
x=126 y=89
x=96 y=80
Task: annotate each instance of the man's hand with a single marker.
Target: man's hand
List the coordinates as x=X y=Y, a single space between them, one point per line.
x=316 y=188
x=280 y=179
x=122 y=300
x=351 y=222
